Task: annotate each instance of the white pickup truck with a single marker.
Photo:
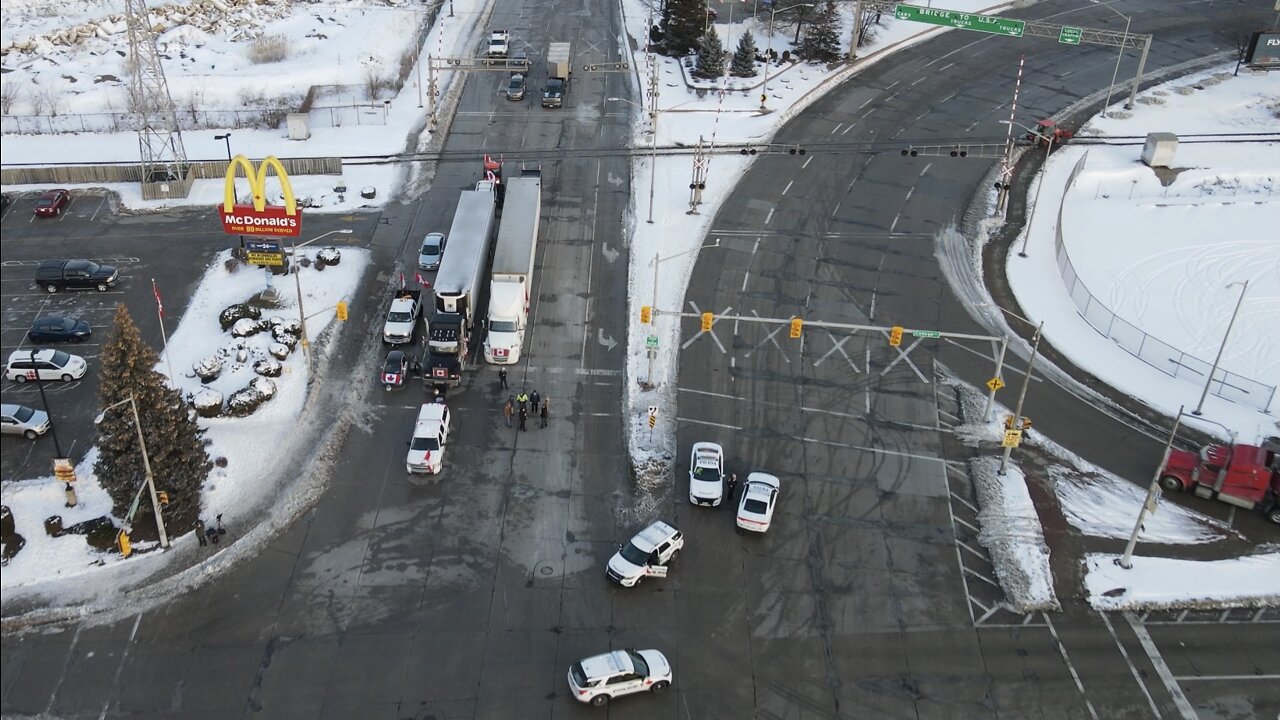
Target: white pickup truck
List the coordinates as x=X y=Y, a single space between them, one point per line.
x=402 y=317
x=499 y=42
x=430 y=435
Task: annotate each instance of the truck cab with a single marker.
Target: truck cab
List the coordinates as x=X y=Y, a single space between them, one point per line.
x=508 y=311
x=1246 y=476
x=402 y=318
x=553 y=93
x=446 y=344
x=430 y=436
x=499 y=44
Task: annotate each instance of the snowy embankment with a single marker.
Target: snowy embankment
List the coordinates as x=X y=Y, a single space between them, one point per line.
x=1012 y=534
x=1158 y=583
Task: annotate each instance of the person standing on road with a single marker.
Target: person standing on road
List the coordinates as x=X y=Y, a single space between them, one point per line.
x=509 y=409
x=733 y=486
x=524 y=415
x=536 y=399
x=523 y=399
x=502 y=378
x=543 y=413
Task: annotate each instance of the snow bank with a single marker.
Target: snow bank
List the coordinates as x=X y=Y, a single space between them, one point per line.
x=1157 y=583
x=1012 y=534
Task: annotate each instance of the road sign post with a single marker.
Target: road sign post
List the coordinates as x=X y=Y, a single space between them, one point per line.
x=1070 y=35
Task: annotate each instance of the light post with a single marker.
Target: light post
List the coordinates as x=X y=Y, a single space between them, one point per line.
x=70 y=491
x=653 y=145
x=1209 y=381
x=1026 y=382
x=1035 y=203
x=764 y=92
x=226 y=138
x=1123 y=41
x=297 y=283
x=146 y=464
x=657 y=263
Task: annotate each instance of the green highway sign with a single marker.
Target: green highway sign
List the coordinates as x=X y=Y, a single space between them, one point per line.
x=926 y=334
x=1069 y=35
x=651 y=342
x=964 y=21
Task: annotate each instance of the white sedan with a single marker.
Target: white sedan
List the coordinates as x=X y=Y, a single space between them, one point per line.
x=759 y=495
x=706 y=474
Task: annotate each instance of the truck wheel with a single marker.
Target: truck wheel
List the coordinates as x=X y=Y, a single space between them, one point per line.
x=1171 y=483
x=660 y=686
x=51 y=288
x=673 y=557
x=1274 y=515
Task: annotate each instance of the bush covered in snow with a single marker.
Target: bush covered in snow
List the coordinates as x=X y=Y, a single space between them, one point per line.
x=329 y=256
x=245 y=327
x=208 y=369
x=208 y=403
x=248 y=399
x=268 y=367
x=279 y=351
x=235 y=313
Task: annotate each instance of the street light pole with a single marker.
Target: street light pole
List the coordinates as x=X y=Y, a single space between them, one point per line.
x=764 y=92
x=1022 y=395
x=146 y=464
x=1153 y=493
x=226 y=138
x=1048 y=148
x=653 y=301
x=1209 y=381
x=1123 y=41
x=297 y=283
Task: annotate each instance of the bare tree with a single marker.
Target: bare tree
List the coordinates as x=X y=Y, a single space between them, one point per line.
x=10 y=94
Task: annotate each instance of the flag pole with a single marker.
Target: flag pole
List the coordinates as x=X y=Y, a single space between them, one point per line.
x=164 y=338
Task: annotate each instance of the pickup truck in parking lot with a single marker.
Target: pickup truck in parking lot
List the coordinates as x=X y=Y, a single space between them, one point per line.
x=55 y=275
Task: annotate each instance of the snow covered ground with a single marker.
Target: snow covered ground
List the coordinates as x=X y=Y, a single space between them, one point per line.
x=360 y=41
x=1156 y=583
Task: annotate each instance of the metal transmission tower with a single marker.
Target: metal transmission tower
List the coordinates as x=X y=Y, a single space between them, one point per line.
x=165 y=172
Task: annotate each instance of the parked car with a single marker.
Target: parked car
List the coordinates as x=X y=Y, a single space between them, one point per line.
x=706 y=474
x=55 y=275
x=49 y=363
x=519 y=58
x=22 y=420
x=515 y=87
x=56 y=328
x=759 y=495
x=599 y=679
x=51 y=202
x=430 y=437
x=648 y=553
x=432 y=251
x=395 y=369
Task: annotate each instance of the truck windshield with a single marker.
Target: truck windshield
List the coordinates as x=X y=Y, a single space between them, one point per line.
x=399 y=317
x=505 y=326
x=425 y=443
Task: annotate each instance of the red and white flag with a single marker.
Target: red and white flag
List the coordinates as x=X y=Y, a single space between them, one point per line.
x=422 y=282
x=401 y=279
x=156 y=291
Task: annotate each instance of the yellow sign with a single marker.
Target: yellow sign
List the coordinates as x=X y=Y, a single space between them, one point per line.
x=652 y=421
x=259 y=258
x=995 y=384
x=1012 y=439
x=797 y=328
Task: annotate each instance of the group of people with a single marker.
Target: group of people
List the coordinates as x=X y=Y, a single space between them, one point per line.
x=521 y=405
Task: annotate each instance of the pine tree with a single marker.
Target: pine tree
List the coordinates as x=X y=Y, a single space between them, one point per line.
x=710 y=55
x=683 y=22
x=821 y=38
x=174 y=442
x=744 y=58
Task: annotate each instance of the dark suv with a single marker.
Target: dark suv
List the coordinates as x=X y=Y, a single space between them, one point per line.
x=55 y=275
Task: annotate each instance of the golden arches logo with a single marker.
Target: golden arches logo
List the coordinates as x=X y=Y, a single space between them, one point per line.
x=259 y=218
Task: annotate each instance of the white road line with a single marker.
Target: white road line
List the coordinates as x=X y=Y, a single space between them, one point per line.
x=868 y=102
x=769 y=217
x=712 y=394
x=882 y=451
x=788 y=187
x=1233 y=678
x=836 y=129
x=575 y=371
x=851 y=126
x=895 y=222
x=1137 y=677
x=1157 y=660
x=707 y=422
x=925 y=170
x=591 y=263
x=1071 y=668
x=124 y=659
x=806 y=162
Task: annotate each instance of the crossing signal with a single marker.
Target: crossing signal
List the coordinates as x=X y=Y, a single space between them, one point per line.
x=707 y=320
x=646 y=314
x=895 y=335
x=122 y=542
x=797 y=326
x=342 y=310
x=162 y=496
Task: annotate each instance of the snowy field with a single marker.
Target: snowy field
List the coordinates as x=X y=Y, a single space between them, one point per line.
x=361 y=41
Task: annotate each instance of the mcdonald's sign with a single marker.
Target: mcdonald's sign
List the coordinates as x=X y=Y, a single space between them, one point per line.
x=259 y=218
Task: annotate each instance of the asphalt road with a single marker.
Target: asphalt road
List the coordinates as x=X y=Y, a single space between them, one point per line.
x=469 y=594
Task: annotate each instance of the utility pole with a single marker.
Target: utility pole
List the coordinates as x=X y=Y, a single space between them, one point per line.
x=1153 y=497
x=699 y=181
x=1022 y=395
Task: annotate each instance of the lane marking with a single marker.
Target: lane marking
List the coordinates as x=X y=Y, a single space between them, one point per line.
x=1071 y=668
x=708 y=422
x=575 y=371
x=1226 y=677
x=707 y=392
x=1157 y=660
x=788 y=187
x=1137 y=677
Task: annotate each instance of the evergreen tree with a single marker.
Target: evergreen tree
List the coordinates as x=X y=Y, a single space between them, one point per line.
x=821 y=38
x=174 y=442
x=744 y=58
x=683 y=22
x=710 y=55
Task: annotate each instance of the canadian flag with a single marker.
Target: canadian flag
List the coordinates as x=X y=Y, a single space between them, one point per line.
x=156 y=291
x=422 y=282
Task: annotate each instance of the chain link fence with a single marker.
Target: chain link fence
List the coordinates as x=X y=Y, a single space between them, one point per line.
x=1151 y=350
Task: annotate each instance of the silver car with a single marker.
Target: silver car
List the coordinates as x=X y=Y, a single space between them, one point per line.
x=22 y=420
x=515 y=87
x=432 y=251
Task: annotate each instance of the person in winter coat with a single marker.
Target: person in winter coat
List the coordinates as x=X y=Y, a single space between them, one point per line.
x=524 y=415
x=523 y=399
x=543 y=413
x=536 y=399
x=509 y=409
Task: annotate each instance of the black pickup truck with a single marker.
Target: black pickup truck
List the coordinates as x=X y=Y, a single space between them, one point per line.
x=55 y=275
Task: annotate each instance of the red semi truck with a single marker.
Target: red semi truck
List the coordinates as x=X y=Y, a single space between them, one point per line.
x=1244 y=475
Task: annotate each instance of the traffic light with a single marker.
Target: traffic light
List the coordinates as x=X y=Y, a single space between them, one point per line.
x=707 y=320
x=342 y=310
x=1026 y=423
x=122 y=542
x=895 y=335
x=646 y=314
x=797 y=326
x=1008 y=422
x=162 y=496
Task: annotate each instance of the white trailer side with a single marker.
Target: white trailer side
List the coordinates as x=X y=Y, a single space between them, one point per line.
x=511 y=286
x=461 y=273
